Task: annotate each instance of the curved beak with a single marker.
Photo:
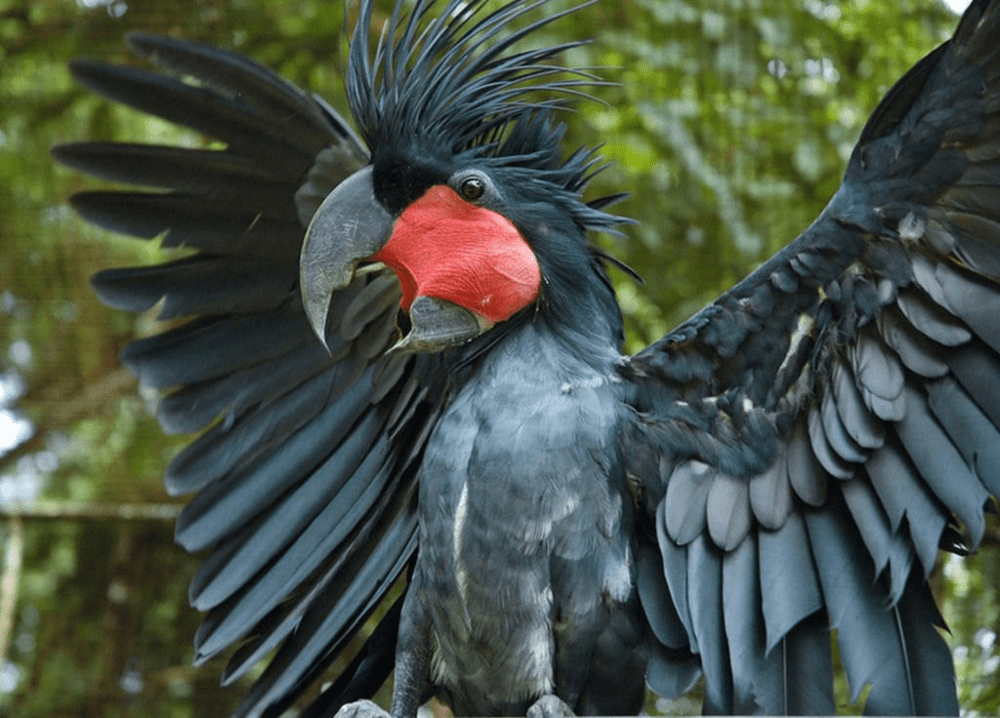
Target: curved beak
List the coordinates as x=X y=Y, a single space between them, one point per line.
x=349 y=226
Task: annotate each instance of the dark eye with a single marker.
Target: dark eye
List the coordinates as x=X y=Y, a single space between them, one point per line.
x=472 y=188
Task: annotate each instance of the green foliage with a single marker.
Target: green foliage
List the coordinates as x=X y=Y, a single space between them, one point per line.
x=730 y=122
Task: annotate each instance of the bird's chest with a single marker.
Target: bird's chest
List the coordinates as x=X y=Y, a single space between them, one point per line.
x=521 y=529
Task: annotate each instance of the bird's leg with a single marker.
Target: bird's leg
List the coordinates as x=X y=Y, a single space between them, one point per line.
x=408 y=690
x=550 y=706
x=411 y=679
x=412 y=670
x=409 y=687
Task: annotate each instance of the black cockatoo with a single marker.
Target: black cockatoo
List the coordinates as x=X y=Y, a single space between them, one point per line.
x=406 y=358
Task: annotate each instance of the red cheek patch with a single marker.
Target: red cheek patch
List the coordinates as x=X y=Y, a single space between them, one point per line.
x=446 y=248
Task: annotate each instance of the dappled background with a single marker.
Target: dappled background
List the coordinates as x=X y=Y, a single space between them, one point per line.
x=729 y=124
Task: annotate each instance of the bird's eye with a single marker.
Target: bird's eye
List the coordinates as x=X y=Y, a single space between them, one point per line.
x=472 y=189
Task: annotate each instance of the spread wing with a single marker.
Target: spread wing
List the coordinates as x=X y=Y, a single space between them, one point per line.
x=304 y=475
x=805 y=444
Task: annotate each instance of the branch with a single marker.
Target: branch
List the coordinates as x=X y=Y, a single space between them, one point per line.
x=80 y=511
x=10 y=581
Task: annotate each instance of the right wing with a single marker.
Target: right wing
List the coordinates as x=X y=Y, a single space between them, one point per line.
x=305 y=471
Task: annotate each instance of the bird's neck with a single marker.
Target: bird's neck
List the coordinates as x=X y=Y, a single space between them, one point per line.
x=582 y=315
x=577 y=322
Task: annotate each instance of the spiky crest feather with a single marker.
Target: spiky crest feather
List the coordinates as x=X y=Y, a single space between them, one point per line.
x=448 y=85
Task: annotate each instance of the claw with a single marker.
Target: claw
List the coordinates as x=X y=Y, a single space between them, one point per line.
x=362 y=709
x=549 y=706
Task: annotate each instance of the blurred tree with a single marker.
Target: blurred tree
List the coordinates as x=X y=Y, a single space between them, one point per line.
x=730 y=124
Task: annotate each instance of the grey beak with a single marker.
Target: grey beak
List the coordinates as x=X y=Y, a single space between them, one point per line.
x=349 y=226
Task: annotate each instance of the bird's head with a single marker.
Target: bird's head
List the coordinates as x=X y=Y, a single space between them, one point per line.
x=466 y=197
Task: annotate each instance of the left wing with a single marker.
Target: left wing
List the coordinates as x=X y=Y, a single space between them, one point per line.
x=804 y=445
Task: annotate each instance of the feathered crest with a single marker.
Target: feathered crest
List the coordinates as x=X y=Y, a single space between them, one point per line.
x=452 y=82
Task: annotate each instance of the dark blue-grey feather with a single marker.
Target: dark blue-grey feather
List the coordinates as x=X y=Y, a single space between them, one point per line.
x=939 y=462
x=656 y=602
x=970 y=429
x=193 y=221
x=785 y=553
x=269 y=464
x=705 y=603
x=867 y=631
x=903 y=493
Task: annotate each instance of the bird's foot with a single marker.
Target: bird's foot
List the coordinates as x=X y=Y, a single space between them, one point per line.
x=362 y=709
x=550 y=706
